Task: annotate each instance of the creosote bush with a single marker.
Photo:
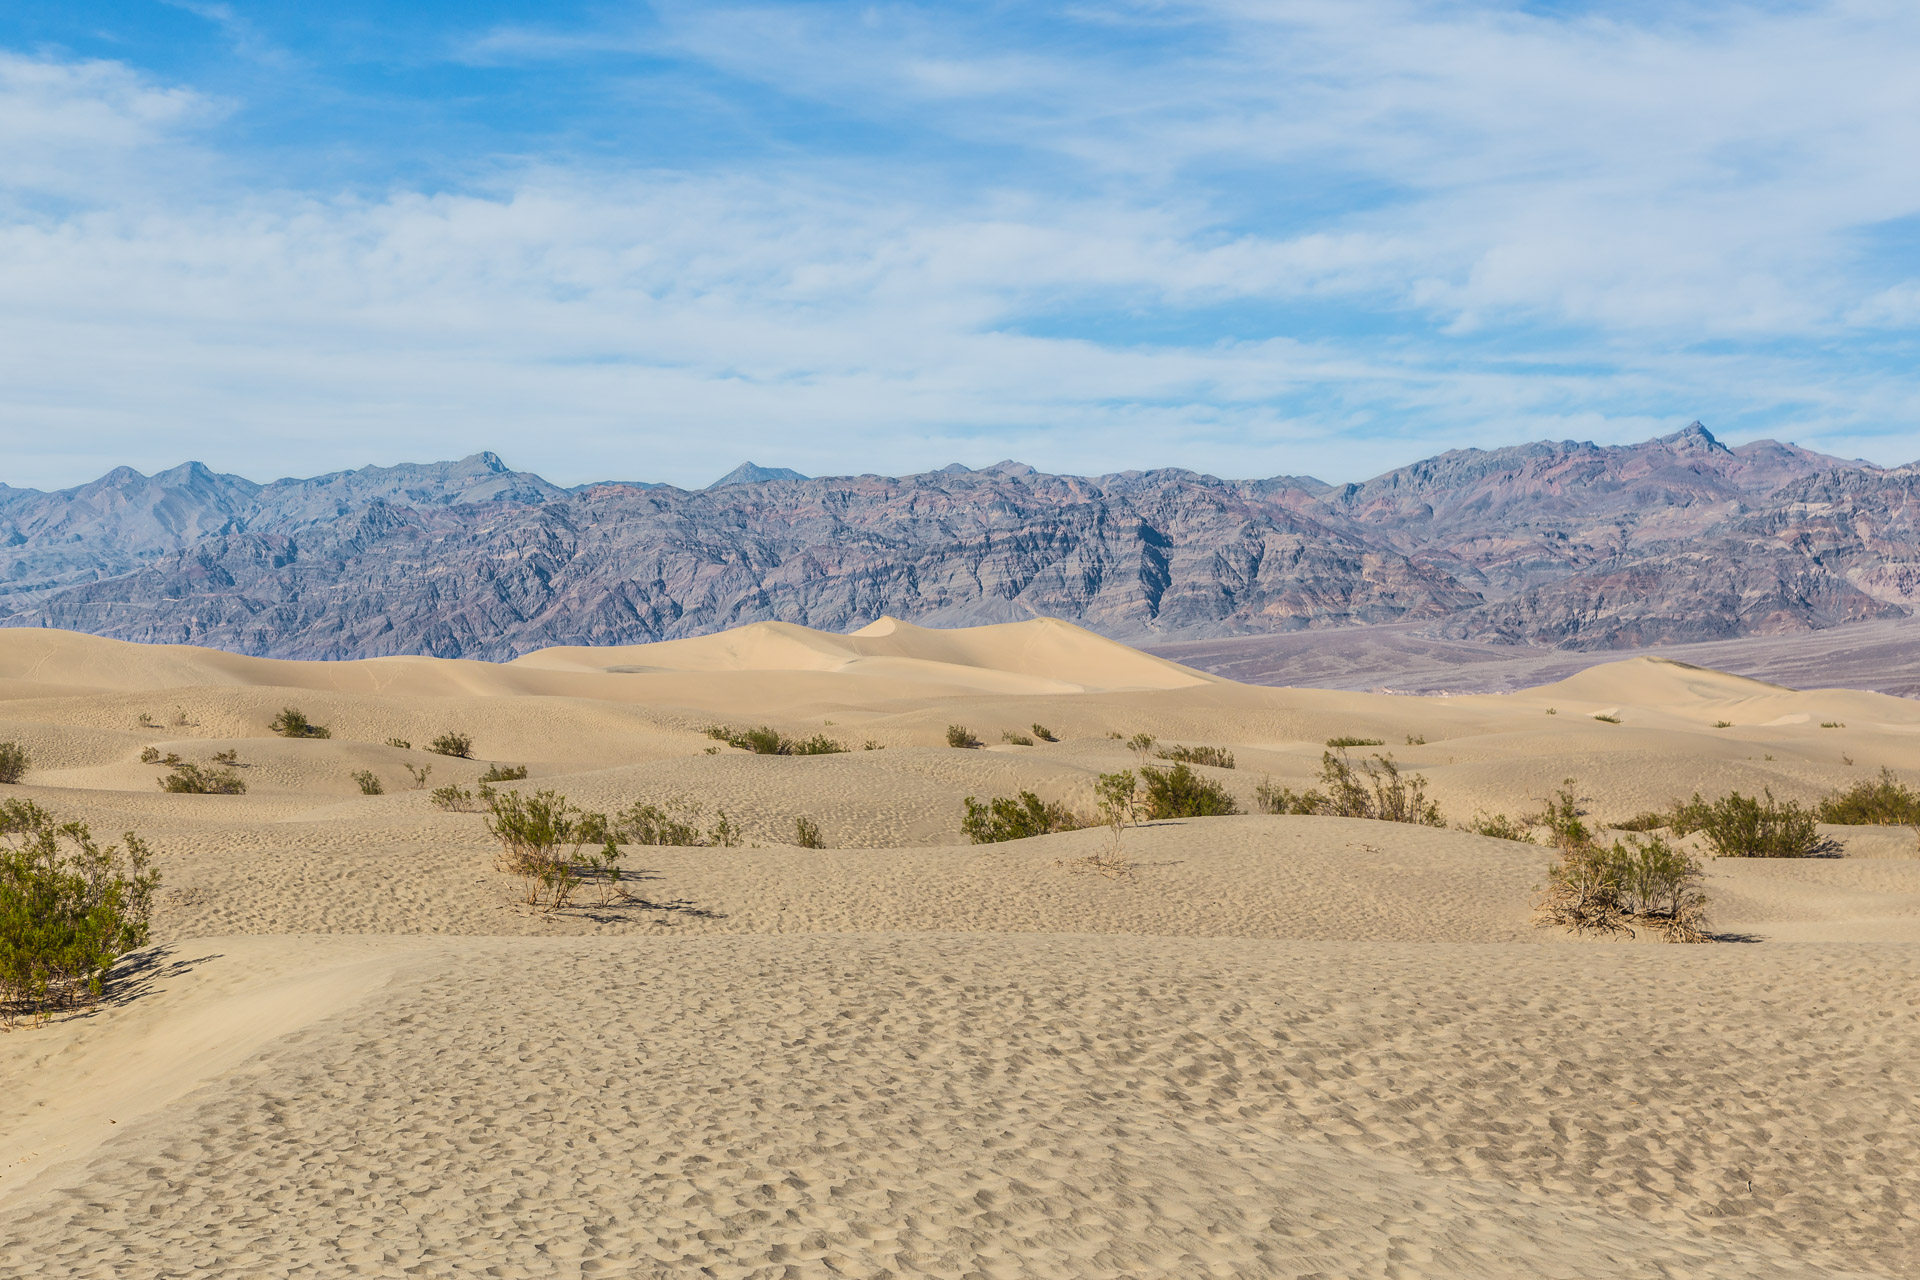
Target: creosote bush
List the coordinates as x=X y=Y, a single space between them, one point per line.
x=69 y=909
x=1215 y=757
x=14 y=762
x=806 y=834
x=1738 y=826
x=1043 y=733
x=1607 y=719
x=400 y=744
x=457 y=799
x=370 y=784
x=293 y=723
x=1179 y=792
x=1374 y=788
x=457 y=745
x=504 y=773
x=1500 y=827
x=674 y=821
x=1141 y=744
x=1015 y=739
x=961 y=738
x=541 y=838
x=1607 y=889
x=189 y=778
x=1884 y=802
x=1343 y=743
x=768 y=741
x=1018 y=818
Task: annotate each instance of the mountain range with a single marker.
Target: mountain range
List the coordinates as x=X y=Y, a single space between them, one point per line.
x=1569 y=545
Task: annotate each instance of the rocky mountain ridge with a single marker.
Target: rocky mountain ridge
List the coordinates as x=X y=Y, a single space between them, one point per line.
x=1563 y=544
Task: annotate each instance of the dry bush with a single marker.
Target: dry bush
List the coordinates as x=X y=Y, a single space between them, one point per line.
x=1884 y=802
x=961 y=738
x=370 y=784
x=191 y=779
x=457 y=745
x=400 y=744
x=1500 y=827
x=768 y=741
x=14 y=762
x=1607 y=889
x=1374 y=788
x=1214 y=757
x=1179 y=792
x=69 y=909
x=1018 y=818
x=293 y=723
x=1740 y=826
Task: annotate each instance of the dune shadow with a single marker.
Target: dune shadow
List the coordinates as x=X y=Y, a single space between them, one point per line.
x=139 y=973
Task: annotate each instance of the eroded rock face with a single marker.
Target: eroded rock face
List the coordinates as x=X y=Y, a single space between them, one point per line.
x=1569 y=545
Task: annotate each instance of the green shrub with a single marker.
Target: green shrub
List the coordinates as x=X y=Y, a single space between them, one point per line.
x=1885 y=802
x=671 y=824
x=1141 y=743
x=806 y=834
x=1604 y=719
x=192 y=779
x=1374 y=788
x=768 y=741
x=1179 y=792
x=961 y=738
x=1500 y=827
x=370 y=784
x=420 y=774
x=1043 y=733
x=1416 y=739
x=400 y=744
x=1594 y=888
x=69 y=910
x=1723 y=724
x=14 y=762
x=457 y=745
x=1341 y=744
x=1019 y=818
x=1642 y=822
x=1740 y=826
x=293 y=723
x=457 y=799
x=1832 y=724
x=1214 y=757
x=541 y=837
x=504 y=773
x=1015 y=739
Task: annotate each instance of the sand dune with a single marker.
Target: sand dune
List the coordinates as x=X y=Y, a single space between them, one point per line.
x=1282 y=1046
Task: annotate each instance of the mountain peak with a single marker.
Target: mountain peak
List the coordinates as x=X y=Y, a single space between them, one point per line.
x=1692 y=436
x=753 y=473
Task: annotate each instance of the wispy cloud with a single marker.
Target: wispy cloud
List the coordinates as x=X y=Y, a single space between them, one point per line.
x=1244 y=237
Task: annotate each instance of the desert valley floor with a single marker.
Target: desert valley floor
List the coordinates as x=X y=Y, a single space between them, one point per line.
x=1284 y=1046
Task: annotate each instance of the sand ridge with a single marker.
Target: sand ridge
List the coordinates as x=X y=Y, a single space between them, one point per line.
x=1281 y=1046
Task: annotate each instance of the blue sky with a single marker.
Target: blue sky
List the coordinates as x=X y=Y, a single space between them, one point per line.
x=648 y=241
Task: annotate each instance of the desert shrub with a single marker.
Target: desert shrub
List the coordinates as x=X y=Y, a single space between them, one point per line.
x=504 y=773
x=150 y=755
x=961 y=738
x=400 y=744
x=670 y=824
x=420 y=773
x=1043 y=733
x=768 y=741
x=457 y=745
x=1416 y=739
x=1118 y=798
x=192 y=779
x=1141 y=744
x=1740 y=826
x=1723 y=724
x=457 y=799
x=1343 y=743
x=1595 y=888
x=1179 y=792
x=1015 y=739
x=1832 y=724
x=1500 y=827
x=1216 y=757
x=370 y=784
x=147 y=721
x=1642 y=822
x=541 y=837
x=1605 y=719
x=1017 y=818
x=69 y=909
x=1374 y=788
x=231 y=756
x=14 y=762
x=1884 y=802
x=724 y=833
x=806 y=834
x=293 y=723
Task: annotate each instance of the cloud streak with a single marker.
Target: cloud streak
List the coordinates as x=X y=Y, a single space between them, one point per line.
x=1249 y=238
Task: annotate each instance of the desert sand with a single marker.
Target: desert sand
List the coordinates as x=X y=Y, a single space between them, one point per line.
x=1284 y=1046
